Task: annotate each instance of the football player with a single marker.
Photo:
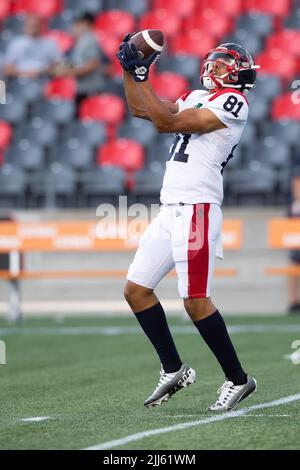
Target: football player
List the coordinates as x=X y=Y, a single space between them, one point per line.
x=207 y=126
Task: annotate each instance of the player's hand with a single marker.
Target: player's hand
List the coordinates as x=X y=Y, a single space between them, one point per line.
x=131 y=61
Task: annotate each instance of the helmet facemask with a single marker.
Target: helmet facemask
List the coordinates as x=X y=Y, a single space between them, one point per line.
x=234 y=66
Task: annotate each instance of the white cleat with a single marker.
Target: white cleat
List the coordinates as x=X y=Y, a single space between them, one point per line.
x=169 y=384
x=230 y=395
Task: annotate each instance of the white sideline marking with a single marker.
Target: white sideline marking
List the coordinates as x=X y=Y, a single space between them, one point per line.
x=178 y=427
x=35 y=419
x=119 y=330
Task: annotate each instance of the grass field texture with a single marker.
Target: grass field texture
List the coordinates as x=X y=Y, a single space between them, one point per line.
x=90 y=376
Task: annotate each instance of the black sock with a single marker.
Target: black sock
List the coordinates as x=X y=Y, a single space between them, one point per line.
x=154 y=323
x=214 y=332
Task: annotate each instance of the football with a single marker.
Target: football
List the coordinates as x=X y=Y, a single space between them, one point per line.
x=148 y=41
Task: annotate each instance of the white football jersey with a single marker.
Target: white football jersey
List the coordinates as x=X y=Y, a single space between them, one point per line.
x=194 y=171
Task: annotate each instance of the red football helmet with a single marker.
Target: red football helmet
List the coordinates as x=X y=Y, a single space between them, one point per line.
x=239 y=63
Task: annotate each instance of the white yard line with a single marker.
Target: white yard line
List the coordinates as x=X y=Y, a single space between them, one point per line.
x=35 y=419
x=179 y=427
x=123 y=330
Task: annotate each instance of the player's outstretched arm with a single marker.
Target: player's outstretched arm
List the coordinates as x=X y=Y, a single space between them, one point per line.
x=188 y=121
x=135 y=102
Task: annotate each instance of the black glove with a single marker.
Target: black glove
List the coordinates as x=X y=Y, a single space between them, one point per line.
x=131 y=61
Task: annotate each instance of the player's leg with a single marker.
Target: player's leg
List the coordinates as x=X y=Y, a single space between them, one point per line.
x=153 y=260
x=194 y=277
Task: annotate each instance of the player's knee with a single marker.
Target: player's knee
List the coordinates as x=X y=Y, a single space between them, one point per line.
x=134 y=293
x=198 y=309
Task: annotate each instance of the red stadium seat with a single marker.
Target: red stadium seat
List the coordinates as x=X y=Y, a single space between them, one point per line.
x=4 y=9
x=286 y=106
x=209 y=21
x=194 y=43
x=278 y=8
x=43 y=8
x=125 y=153
x=5 y=135
x=64 y=40
x=108 y=43
x=231 y=8
x=286 y=40
x=169 y=85
x=115 y=22
x=277 y=62
x=106 y=108
x=61 y=88
x=183 y=9
x=161 y=19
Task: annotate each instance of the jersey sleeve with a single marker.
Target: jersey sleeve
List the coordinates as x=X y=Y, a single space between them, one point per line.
x=231 y=108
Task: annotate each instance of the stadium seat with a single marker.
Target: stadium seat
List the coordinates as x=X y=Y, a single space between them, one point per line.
x=101 y=185
x=293 y=21
x=277 y=62
x=182 y=64
x=193 y=43
x=253 y=185
x=259 y=107
x=272 y=151
x=54 y=187
x=14 y=111
x=5 y=135
x=135 y=7
x=242 y=36
x=148 y=184
x=14 y=24
x=38 y=131
x=27 y=91
x=78 y=6
x=248 y=135
x=45 y=8
x=115 y=22
x=286 y=106
x=108 y=43
x=159 y=151
x=285 y=130
x=12 y=187
x=123 y=153
x=256 y=24
x=169 y=85
x=210 y=22
x=64 y=40
x=268 y=86
x=231 y=8
x=286 y=40
x=163 y=20
x=277 y=8
x=61 y=88
x=4 y=9
x=74 y=153
x=183 y=9
x=62 y=22
x=105 y=107
x=60 y=112
x=139 y=130
x=91 y=133
x=25 y=155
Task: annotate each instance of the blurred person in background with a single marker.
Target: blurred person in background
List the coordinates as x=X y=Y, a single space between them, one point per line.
x=294 y=211
x=87 y=62
x=31 y=55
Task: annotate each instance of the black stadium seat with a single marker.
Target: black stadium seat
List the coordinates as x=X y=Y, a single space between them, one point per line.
x=75 y=153
x=25 y=155
x=12 y=187
x=137 y=129
x=101 y=185
x=88 y=132
x=37 y=131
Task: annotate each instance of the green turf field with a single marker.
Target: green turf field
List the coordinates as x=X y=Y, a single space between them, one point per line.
x=90 y=377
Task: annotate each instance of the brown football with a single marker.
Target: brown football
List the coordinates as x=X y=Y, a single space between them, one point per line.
x=148 y=41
